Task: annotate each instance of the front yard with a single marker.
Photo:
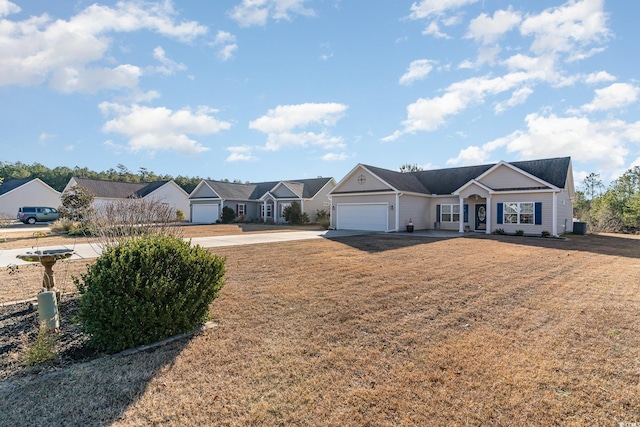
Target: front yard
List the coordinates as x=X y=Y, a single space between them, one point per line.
x=381 y=330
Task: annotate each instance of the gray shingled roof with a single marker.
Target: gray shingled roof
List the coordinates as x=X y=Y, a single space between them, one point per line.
x=446 y=181
x=119 y=190
x=306 y=188
x=11 y=184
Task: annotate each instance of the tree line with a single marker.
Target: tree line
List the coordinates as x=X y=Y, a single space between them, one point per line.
x=615 y=208
x=58 y=177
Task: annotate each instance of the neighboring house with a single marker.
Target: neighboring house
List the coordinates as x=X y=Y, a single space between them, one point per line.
x=264 y=201
x=160 y=191
x=532 y=196
x=15 y=193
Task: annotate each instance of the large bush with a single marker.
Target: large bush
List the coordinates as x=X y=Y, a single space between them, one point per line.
x=147 y=289
x=293 y=214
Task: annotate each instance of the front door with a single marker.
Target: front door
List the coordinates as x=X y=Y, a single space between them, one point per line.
x=481 y=217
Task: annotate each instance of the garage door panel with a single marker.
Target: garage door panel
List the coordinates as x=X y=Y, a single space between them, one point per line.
x=205 y=214
x=363 y=216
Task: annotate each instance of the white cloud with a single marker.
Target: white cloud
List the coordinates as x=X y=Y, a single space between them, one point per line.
x=603 y=142
x=44 y=137
x=429 y=114
x=518 y=97
x=279 y=125
x=154 y=129
x=433 y=29
x=618 y=95
x=66 y=51
x=418 y=70
x=601 y=76
x=486 y=30
x=242 y=153
x=8 y=8
x=426 y=8
x=168 y=66
x=335 y=157
x=568 y=28
x=226 y=42
x=258 y=12
x=472 y=155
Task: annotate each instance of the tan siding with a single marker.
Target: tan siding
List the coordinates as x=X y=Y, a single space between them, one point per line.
x=547 y=212
x=505 y=177
x=283 y=192
x=453 y=226
x=565 y=213
x=415 y=208
x=319 y=202
x=371 y=182
x=204 y=191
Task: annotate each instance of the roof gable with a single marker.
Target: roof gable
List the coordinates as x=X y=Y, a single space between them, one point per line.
x=11 y=184
x=117 y=189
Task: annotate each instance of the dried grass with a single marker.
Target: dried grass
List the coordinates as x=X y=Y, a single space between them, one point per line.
x=384 y=330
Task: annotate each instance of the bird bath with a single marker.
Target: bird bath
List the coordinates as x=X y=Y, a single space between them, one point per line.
x=47 y=258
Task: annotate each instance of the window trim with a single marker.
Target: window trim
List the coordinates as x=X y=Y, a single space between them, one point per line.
x=451 y=208
x=514 y=209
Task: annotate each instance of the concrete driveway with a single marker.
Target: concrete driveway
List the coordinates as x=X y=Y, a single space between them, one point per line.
x=89 y=251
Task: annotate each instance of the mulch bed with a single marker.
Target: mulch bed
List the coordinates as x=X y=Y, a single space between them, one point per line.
x=19 y=327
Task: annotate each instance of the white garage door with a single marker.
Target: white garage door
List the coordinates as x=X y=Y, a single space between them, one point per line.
x=372 y=217
x=206 y=214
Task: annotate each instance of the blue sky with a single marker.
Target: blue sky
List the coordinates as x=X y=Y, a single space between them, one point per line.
x=261 y=90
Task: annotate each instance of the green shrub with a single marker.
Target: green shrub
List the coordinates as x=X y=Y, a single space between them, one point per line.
x=323 y=219
x=293 y=214
x=545 y=233
x=228 y=215
x=499 y=231
x=147 y=289
x=180 y=216
x=519 y=232
x=43 y=349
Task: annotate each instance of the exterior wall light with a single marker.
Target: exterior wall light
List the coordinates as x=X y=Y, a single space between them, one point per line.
x=391 y=207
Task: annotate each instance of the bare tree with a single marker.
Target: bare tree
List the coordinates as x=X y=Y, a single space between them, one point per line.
x=407 y=167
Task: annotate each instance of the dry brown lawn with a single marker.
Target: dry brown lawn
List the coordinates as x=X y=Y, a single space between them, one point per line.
x=383 y=330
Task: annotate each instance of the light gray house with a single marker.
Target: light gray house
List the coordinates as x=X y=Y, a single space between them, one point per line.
x=264 y=201
x=15 y=193
x=532 y=196
x=160 y=191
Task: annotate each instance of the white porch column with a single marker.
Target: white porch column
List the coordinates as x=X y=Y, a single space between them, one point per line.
x=461 y=218
x=264 y=211
x=489 y=214
x=554 y=227
x=397 y=209
x=275 y=211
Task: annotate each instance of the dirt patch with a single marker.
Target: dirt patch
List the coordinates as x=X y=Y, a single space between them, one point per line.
x=384 y=330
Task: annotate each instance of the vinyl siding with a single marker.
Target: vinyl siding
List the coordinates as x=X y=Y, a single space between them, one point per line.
x=284 y=192
x=453 y=226
x=505 y=177
x=547 y=212
x=33 y=193
x=319 y=202
x=416 y=208
x=371 y=183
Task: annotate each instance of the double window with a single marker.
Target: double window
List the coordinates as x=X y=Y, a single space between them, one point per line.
x=450 y=213
x=519 y=213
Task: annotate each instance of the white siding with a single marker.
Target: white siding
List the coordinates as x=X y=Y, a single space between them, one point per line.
x=33 y=193
x=172 y=194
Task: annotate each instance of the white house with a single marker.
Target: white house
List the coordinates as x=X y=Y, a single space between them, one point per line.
x=532 y=196
x=161 y=191
x=15 y=193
